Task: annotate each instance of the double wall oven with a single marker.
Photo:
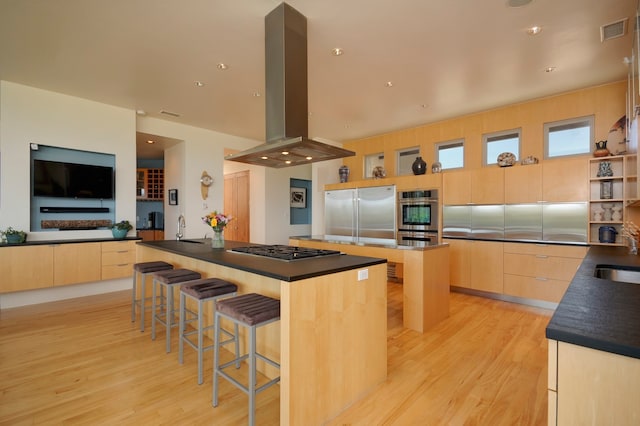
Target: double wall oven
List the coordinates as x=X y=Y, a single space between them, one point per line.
x=417 y=217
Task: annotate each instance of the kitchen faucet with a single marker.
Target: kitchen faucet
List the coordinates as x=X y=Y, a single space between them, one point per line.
x=181 y=226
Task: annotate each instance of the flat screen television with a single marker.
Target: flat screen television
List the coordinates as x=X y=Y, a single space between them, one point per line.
x=72 y=180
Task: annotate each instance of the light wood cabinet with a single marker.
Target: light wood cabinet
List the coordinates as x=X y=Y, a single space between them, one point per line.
x=76 y=263
x=48 y=265
x=487 y=185
x=26 y=268
x=486 y=266
x=540 y=271
x=523 y=184
x=118 y=258
x=588 y=386
x=565 y=180
x=456 y=187
x=460 y=262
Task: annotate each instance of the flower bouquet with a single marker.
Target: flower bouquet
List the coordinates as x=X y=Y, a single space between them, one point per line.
x=217 y=222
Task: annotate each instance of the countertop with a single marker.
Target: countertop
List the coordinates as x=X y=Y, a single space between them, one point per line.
x=349 y=241
x=72 y=241
x=599 y=313
x=274 y=268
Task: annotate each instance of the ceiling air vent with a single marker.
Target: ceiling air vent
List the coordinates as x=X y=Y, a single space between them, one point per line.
x=172 y=114
x=613 y=30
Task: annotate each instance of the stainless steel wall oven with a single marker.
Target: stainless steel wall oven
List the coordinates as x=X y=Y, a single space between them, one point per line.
x=418 y=217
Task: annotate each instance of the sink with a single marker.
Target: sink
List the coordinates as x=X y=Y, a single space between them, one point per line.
x=192 y=241
x=618 y=273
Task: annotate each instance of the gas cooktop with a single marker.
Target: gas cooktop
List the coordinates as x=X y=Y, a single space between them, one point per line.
x=283 y=252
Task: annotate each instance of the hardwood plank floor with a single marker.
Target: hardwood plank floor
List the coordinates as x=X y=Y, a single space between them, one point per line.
x=82 y=361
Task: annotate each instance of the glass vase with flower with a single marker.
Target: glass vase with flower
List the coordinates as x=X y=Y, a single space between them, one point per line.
x=217 y=221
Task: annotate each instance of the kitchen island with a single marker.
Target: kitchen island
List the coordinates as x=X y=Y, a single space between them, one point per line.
x=426 y=275
x=331 y=339
x=594 y=345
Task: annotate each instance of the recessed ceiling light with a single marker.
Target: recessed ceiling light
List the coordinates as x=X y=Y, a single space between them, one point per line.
x=337 y=51
x=264 y=157
x=389 y=84
x=535 y=30
x=549 y=69
x=285 y=152
x=222 y=66
x=517 y=3
x=198 y=83
x=150 y=142
x=424 y=105
x=141 y=112
x=256 y=94
x=309 y=158
x=288 y=162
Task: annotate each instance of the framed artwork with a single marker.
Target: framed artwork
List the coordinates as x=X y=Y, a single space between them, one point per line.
x=173 y=197
x=298 y=198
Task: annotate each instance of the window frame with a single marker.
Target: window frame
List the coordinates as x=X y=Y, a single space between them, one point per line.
x=567 y=122
x=450 y=144
x=413 y=151
x=369 y=173
x=503 y=134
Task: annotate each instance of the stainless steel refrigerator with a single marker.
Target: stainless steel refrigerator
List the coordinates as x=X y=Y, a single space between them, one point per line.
x=365 y=215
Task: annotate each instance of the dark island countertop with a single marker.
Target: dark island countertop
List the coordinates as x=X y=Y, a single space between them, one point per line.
x=599 y=313
x=274 y=268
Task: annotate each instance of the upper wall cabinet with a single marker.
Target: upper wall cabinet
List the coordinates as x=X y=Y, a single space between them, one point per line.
x=456 y=187
x=480 y=186
x=565 y=180
x=523 y=184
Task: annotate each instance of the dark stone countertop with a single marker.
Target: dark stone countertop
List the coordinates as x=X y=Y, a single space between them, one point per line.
x=72 y=241
x=599 y=313
x=274 y=268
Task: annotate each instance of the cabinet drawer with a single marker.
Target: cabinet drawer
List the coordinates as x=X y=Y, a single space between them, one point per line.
x=535 y=288
x=577 y=252
x=541 y=266
x=118 y=258
x=118 y=246
x=117 y=271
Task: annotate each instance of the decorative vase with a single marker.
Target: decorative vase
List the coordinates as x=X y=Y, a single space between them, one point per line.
x=436 y=167
x=617 y=213
x=343 y=171
x=119 y=234
x=607 y=211
x=604 y=169
x=217 y=241
x=601 y=149
x=419 y=166
x=606 y=189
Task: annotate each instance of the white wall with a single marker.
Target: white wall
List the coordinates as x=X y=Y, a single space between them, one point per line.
x=323 y=173
x=30 y=115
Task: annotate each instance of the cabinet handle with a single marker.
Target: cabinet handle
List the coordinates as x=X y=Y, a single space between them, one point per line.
x=122 y=251
x=541 y=256
x=122 y=264
x=542 y=279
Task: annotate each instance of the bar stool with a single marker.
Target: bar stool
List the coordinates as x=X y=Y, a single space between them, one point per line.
x=144 y=269
x=167 y=280
x=202 y=291
x=252 y=311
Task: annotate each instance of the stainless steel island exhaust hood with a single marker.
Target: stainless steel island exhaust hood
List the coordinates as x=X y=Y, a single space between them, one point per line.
x=287 y=114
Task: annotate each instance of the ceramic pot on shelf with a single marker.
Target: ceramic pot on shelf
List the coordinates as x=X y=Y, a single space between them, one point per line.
x=343 y=172
x=419 y=166
x=601 y=149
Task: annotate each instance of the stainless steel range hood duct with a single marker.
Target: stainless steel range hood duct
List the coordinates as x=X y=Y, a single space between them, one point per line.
x=287 y=113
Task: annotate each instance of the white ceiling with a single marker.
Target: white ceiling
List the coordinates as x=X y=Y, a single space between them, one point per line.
x=452 y=56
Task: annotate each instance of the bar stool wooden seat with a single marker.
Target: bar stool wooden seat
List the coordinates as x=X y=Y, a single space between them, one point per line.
x=143 y=269
x=166 y=281
x=203 y=291
x=251 y=311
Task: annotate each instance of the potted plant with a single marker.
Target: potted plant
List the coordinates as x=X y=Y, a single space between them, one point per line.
x=14 y=236
x=120 y=229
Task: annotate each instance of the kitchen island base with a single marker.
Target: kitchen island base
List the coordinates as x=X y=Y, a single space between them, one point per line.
x=331 y=339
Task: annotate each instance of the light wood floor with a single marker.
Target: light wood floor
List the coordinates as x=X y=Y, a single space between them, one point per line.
x=83 y=362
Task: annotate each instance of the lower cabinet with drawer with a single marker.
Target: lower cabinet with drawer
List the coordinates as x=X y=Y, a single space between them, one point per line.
x=118 y=258
x=540 y=271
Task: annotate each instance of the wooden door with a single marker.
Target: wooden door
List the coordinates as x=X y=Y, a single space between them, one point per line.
x=487 y=185
x=77 y=263
x=487 y=266
x=456 y=187
x=523 y=184
x=236 y=203
x=565 y=180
